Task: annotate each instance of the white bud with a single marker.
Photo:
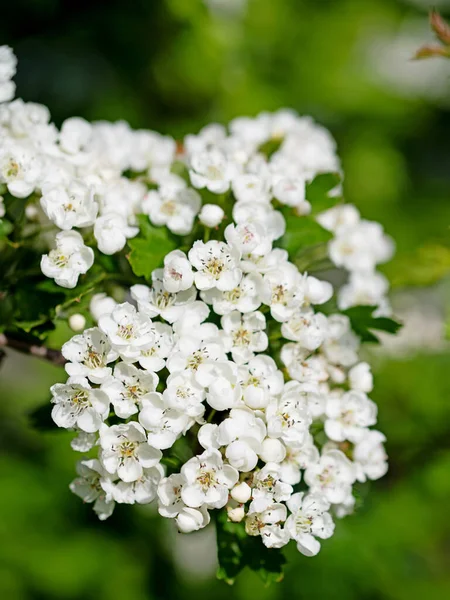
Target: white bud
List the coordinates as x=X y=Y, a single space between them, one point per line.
x=101 y=304
x=361 y=378
x=211 y=215
x=31 y=212
x=241 y=492
x=272 y=450
x=77 y=322
x=236 y=514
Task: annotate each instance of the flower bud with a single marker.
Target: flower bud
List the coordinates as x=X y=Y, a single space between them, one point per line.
x=272 y=450
x=77 y=322
x=211 y=215
x=101 y=304
x=241 y=492
x=236 y=514
x=360 y=378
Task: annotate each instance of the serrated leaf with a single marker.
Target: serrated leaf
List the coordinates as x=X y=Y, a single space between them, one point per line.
x=237 y=550
x=149 y=248
x=302 y=234
x=363 y=323
x=318 y=191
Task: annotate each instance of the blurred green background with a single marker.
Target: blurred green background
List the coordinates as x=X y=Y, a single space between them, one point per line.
x=174 y=66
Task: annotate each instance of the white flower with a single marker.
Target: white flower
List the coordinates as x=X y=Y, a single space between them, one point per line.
x=222 y=380
x=244 y=298
x=309 y=520
x=251 y=188
x=208 y=480
x=129 y=388
x=263 y=215
x=129 y=332
x=348 y=414
x=173 y=205
x=341 y=346
x=163 y=424
x=125 y=451
x=360 y=247
x=184 y=394
x=282 y=291
x=156 y=300
x=8 y=64
x=211 y=169
x=307 y=328
x=296 y=459
x=288 y=421
x=316 y=291
x=267 y=524
x=244 y=335
x=370 y=457
x=301 y=366
x=291 y=191
x=141 y=491
x=268 y=488
x=68 y=260
x=171 y=505
x=153 y=358
x=248 y=238
x=211 y=215
x=367 y=288
x=88 y=355
x=217 y=265
x=112 y=231
x=242 y=433
x=84 y=442
x=332 y=476
x=76 y=404
x=177 y=275
x=20 y=169
x=74 y=136
x=90 y=487
x=70 y=206
x=339 y=217
x=260 y=380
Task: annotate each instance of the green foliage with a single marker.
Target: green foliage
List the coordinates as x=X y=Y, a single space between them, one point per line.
x=149 y=248
x=303 y=233
x=318 y=191
x=237 y=550
x=363 y=323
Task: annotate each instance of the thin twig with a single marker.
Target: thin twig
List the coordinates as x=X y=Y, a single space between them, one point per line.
x=53 y=356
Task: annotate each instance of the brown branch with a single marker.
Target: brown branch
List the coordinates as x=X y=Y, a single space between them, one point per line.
x=53 y=356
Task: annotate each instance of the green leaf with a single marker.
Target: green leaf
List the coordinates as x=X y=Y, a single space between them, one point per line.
x=302 y=234
x=363 y=322
x=271 y=146
x=149 y=248
x=237 y=550
x=317 y=192
x=41 y=418
x=5 y=228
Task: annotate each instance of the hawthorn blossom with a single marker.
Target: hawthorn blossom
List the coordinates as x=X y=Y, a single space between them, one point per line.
x=70 y=259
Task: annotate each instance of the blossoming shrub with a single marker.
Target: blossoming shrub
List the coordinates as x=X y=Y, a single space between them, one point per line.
x=227 y=288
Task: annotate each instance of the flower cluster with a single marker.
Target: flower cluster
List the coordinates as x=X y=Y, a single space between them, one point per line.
x=92 y=180
x=217 y=384
x=226 y=351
